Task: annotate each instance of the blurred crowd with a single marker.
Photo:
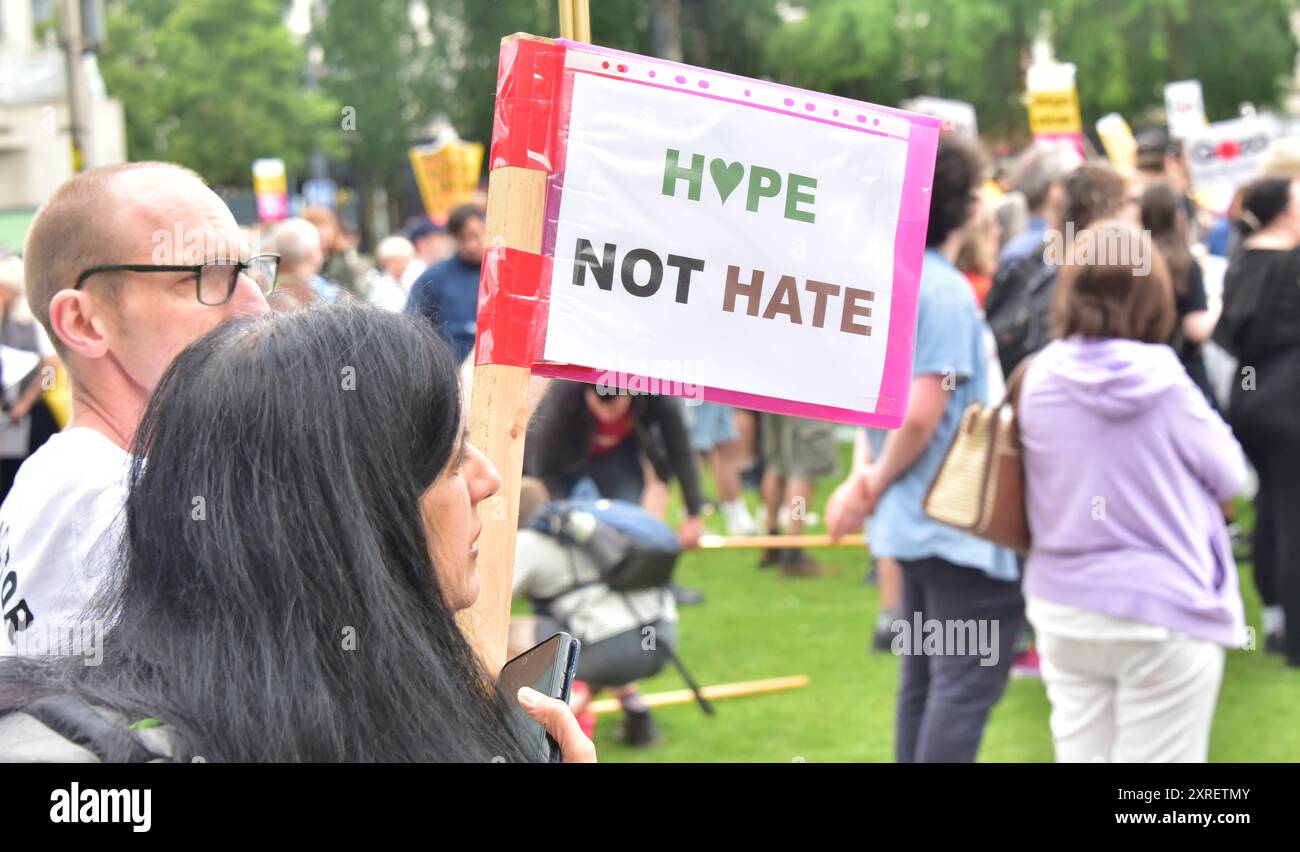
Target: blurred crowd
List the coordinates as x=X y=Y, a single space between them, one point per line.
x=1155 y=387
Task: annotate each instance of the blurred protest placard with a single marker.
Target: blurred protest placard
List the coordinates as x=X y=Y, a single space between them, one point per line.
x=271 y=189
x=1230 y=153
x=1184 y=108
x=956 y=116
x=447 y=174
x=1053 y=103
x=1118 y=140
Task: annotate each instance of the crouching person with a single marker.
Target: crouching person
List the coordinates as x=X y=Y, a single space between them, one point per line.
x=599 y=570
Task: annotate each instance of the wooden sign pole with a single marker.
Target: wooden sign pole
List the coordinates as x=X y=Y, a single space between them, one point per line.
x=499 y=402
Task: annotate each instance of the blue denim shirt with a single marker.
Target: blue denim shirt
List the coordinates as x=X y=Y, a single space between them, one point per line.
x=950 y=343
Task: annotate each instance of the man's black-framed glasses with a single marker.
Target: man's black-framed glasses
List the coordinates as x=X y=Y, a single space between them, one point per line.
x=214 y=282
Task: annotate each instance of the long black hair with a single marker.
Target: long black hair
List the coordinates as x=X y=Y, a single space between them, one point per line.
x=278 y=600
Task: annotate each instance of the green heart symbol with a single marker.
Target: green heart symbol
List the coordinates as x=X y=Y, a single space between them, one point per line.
x=726 y=177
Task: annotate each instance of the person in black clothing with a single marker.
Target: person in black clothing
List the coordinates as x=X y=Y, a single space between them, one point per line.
x=1260 y=325
x=583 y=431
x=1163 y=216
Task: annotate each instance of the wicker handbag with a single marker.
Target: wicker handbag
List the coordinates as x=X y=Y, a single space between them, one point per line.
x=980 y=487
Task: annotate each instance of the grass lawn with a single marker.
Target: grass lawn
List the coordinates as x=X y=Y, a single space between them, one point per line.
x=758 y=624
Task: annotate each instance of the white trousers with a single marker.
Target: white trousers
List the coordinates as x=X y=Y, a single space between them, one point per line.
x=1131 y=701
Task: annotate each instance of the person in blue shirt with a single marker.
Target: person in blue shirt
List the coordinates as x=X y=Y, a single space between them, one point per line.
x=961 y=607
x=446 y=293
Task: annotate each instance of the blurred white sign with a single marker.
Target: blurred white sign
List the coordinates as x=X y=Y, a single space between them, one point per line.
x=1230 y=153
x=957 y=116
x=1184 y=108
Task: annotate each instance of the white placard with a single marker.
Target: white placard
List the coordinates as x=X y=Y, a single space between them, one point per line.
x=1184 y=108
x=957 y=116
x=1229 y=153
x=614 y=195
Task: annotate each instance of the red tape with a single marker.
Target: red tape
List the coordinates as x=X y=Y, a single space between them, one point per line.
x=530 y=78
x=513 y=305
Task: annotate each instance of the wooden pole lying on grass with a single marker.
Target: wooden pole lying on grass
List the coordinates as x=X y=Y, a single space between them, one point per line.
x=741 y=542
x=711 y=693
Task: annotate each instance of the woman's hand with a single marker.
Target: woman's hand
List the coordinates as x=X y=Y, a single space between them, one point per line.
x=558 y=720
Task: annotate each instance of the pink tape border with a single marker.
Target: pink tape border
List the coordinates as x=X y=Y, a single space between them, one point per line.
x=909 y=253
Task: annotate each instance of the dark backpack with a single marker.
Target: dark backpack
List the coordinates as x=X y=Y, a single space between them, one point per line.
x=632 y=548
x=1019 y=308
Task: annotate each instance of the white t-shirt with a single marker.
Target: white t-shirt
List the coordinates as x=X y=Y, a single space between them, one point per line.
x=59 y=534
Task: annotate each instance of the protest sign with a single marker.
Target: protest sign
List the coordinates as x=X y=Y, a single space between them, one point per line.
x=1184 y=108
x=447 y=174
x=1230 y=153
x=662 y=228
x=271 y=189
x=1118 y=140
x=1053 y=103
x=708 y=236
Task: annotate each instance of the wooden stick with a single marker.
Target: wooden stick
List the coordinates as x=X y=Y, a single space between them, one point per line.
x=740 y=542
x=711 y=693
x=582 y=20
x=498 y=421
x=567 y=20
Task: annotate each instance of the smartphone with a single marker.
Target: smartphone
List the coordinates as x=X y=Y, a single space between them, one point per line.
x=547 y=667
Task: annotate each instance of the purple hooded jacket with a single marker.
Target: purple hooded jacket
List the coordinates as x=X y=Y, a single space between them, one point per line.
x=1125 y=467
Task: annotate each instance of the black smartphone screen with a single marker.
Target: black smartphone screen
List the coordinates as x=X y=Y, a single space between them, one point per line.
x=548 y=668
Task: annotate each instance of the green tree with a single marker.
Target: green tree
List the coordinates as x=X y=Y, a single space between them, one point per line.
x=726 y=35
x=888 y=51
x=977 y=50
x=213 y=85
x=380 y=69
x=1126 y=50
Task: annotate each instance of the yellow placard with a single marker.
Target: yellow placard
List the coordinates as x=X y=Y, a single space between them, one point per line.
x=448 y=175
x=1054 y=112
x=1117 y=139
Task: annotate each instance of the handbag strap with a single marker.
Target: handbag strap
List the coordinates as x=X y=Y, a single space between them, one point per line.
x=1011 y=396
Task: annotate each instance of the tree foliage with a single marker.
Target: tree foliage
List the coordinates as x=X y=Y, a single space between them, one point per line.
x=213 y=85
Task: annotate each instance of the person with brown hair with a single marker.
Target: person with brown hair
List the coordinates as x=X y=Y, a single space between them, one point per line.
x=1130 y=582
x=1163 y=216
x=1018 y=306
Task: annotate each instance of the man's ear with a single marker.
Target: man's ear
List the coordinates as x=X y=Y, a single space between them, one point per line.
x=75 y=319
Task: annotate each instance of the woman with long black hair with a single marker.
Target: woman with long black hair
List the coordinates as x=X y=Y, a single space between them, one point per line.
x=299 y=533
x=1260 y=325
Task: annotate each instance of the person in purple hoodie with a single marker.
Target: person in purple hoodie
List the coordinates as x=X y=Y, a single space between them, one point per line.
x=1130 y=582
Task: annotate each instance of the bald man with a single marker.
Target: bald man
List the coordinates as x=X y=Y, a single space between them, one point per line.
x=126 y=266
